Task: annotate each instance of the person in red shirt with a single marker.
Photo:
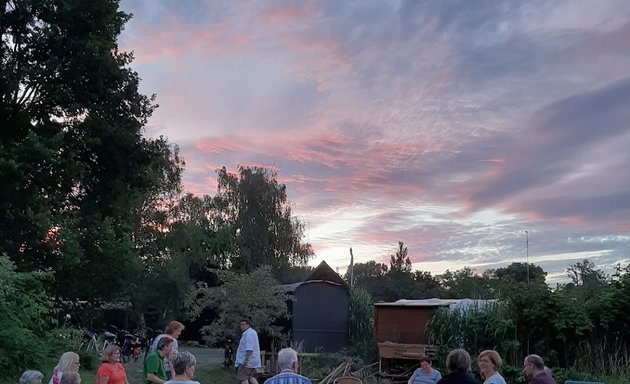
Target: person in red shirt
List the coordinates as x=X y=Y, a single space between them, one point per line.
x=111 y=370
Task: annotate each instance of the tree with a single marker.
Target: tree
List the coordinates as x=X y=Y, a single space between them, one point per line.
x=253 y=207
x=256 y=296
x=400 y=261
x=76 y=170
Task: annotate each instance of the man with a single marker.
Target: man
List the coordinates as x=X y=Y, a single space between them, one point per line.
x=534 y=369
x=288 y=365
x=154 y=365
x=247 y=354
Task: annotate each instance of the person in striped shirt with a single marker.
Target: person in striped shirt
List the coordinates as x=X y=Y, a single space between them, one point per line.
x=288 y=365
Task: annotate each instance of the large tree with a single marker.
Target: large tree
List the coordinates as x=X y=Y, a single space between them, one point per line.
x=253 y=206
x=76 y=170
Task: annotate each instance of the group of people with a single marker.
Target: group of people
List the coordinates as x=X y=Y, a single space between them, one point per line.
x=165 y=364
x=489 y=362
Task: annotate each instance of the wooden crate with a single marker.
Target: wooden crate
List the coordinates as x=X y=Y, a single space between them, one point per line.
x=390 y=350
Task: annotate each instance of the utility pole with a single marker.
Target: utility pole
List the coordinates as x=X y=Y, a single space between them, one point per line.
x=351 y=268
x=527 y=252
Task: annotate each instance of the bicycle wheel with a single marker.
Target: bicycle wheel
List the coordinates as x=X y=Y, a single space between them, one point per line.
x=90 y=346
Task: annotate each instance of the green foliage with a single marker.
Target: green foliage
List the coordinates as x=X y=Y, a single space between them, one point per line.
x=361 y=324
x=256 y=296
x=475 y=329
x=76 y=171
x=253 y=206
x=25 y=323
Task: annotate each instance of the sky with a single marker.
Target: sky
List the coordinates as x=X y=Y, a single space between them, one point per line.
x=479 y=133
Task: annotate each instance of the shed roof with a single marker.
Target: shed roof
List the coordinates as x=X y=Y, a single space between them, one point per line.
x=290 y=288
x=418 y=303
x=460 y=304
x=324 y=272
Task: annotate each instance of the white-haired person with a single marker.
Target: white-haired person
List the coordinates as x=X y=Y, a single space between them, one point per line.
x=31 y=377
x=183 y=368
x=68 y=362
x=288 y=366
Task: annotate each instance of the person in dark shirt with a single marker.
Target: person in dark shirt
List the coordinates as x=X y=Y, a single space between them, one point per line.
x=534 y=370
x=458 y=365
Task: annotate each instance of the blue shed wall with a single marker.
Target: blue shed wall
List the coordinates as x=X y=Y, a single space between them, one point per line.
x=320 y=316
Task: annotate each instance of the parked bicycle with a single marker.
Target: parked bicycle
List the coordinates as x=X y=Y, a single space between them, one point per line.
x=90 y=343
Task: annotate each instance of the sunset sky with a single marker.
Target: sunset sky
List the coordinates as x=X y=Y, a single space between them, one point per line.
x=454 y=126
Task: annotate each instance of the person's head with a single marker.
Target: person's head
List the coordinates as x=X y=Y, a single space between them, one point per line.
x=164 y=346
x=458 y=360
x=425 y=363
x=244 y=325
x=288 y=359
x=68 y=362
x=489 y=361
x=174 y=329
x=111 y=354
x=31 y=377
x=533 y=365
x=184 y=364
x=70 y=378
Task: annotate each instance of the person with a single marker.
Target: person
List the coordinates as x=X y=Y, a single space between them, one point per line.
x=458 y=365
x=489 y=362
x=31 y=377
x=247 y=354
x=183 y=368
x=153 y=370
x=288 y=365
x=111 y=370
x=68 y=362
x=425 y=374
x=534 y=370
x=173 y=330
x=70 y=378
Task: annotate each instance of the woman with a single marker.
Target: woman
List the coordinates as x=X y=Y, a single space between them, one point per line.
x=70 y=378
x=183 y=368
x=111 y=370
x=31 y=377
x=458 y=365
x=489 y=363
x=172 y=330
x=68 y=362
x=425 y=374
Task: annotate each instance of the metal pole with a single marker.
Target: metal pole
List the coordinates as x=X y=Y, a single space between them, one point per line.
x=527 y=250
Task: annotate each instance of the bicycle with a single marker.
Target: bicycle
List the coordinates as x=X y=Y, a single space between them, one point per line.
x=89 y=343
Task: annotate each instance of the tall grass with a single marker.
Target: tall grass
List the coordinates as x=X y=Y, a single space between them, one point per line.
x=475 y=329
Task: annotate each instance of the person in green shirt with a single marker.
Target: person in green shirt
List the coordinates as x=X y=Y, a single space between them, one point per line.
x=154 y=365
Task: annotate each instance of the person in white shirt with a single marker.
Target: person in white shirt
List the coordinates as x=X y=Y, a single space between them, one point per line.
x=247 y=355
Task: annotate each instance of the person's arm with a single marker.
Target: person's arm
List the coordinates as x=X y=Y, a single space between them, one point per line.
x=102 y=379
x=412 y=377
x=248 y=355
x=152 y=377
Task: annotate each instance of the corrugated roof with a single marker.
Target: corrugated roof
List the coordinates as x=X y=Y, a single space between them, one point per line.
x=461 y=304
x=418 y=303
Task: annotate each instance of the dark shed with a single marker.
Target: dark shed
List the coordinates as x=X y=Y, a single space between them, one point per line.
x=319 y=309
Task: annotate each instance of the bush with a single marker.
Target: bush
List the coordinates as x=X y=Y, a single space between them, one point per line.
x=25 y=323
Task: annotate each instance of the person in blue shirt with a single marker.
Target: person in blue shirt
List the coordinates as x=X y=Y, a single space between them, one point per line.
x=288 y=365
x=425 y=374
